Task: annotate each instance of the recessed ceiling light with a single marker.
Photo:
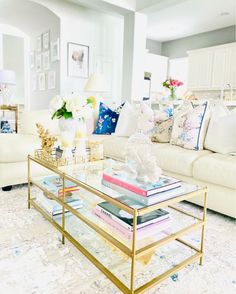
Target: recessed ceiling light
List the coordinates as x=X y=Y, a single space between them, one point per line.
x=225 y=13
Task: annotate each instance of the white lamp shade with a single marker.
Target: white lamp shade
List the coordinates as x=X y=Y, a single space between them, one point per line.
x=7 y=77
x=96 y=83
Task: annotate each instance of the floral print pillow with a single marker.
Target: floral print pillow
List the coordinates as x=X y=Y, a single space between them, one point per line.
x=190 y=126
x=107 y=119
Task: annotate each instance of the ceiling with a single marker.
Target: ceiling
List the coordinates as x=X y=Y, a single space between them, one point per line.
x=190 y=17
x=173 y=19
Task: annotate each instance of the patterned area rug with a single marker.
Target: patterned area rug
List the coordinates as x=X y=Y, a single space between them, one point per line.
x=33 y=260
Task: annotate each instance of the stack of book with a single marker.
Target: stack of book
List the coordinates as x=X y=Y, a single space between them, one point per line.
x=122 y=222
x=148 y=194
x=54 y=185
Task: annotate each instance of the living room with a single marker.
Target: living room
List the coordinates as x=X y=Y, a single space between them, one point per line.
x=117 y=146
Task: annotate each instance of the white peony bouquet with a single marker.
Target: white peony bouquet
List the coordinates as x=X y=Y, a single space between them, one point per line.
x=76 y=107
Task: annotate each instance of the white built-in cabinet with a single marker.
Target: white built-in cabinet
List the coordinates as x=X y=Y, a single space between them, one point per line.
x=211 y=68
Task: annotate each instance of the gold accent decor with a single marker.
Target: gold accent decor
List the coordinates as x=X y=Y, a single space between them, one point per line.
x=47 y=140
x=134 y=252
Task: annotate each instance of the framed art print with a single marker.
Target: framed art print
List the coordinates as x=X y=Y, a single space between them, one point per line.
x=32 y=59
x=46 y=40
x=78 y=60
x=41 y=81
x=46 y=60
x=38 y=62
x=55 y=50
x=39 y=44
x=51 y=80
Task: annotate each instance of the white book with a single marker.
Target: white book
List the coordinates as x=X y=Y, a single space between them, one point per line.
x=54 y=208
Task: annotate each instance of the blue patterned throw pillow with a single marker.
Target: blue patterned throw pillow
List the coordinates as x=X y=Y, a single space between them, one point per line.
x=107 y=119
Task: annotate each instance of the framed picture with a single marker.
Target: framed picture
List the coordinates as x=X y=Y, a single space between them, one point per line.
x=41 y=81
x=39 y=44
x=46 y=40
x=55 y=50
x=46 y=60
x=78 y=60
x=34 y=82
x=38 y=62
x=32 y=59
x=51 y=80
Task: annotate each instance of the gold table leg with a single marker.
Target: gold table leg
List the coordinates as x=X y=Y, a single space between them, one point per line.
x=203 y=227
x=133 y=252
x=28 y=175
x=63 y=208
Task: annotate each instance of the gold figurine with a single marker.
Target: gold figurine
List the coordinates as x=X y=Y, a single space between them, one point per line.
x=47 y=140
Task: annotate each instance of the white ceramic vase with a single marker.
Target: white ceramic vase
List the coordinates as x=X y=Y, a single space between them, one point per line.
x=67 y=130
x=80 y=139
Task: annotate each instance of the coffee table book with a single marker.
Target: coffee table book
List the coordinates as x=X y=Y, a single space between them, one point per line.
x=126 y=219
x=83 y=223
x=119 y=178
x=150 y=200
x=142 y=232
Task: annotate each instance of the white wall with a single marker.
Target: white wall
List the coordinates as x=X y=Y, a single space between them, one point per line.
x=14 y=60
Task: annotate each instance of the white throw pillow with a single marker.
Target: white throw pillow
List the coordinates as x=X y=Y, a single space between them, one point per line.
x=221 y=133
x=190 y=126
x=127 y=122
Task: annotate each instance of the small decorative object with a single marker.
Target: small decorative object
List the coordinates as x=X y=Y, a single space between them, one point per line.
x=39 y=44
x=38 y=62
x=46 y=40
x=78 y=60
x=96 y=150
x=32 y=59
x=140 y=164
x=189 y=96
x=51 y=80
x=46 y=60
x=42 y=81
x=55 y=50
x=6 y=127
x=47 y=140
x=72 y=115
x=172 y=85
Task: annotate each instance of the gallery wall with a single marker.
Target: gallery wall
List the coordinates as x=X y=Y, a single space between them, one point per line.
x=103 y=34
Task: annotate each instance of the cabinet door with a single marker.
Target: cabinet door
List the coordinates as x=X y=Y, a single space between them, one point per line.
x=219 y=68
x=193 y=71
x=200 y=70
x=230 y=75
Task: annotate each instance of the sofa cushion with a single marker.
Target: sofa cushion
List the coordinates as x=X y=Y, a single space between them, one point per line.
x=16 y=147
x=177 y=159
x=216 y=168
x=115 y=147
x=28 y=120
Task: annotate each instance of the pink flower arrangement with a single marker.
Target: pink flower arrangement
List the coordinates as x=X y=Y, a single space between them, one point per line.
x=170 y=83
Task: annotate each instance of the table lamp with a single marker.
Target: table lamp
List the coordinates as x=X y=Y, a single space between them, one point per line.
x=97 y=83
x=7 y=78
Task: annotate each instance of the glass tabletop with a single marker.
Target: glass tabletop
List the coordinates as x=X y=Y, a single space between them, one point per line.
x=91 y=174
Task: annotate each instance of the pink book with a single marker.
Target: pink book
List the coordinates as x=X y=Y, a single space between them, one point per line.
x=141 y=233
x=164 y=184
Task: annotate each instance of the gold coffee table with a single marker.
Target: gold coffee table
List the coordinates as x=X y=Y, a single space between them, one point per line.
x=79 y=224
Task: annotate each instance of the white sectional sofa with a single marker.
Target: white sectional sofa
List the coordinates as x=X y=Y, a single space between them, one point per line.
x=215 y=170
